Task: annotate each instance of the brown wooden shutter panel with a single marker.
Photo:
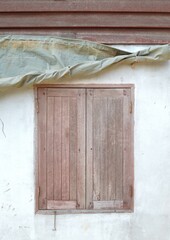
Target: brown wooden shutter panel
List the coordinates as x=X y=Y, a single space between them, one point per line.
x=109 y=179
x=61 y=121
x=90 y=168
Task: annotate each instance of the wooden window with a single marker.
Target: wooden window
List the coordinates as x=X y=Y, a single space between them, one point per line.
x=85 y=148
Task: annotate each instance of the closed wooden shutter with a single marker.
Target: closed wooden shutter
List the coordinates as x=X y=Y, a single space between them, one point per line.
x=61 y=133
x=109 y=142
x=85 y=148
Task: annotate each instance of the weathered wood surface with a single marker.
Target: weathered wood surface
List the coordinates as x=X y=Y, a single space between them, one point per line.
x=130 y=22
x=104 y=35
x=108 y=204
x=61 y=204
x=42 y=138
x=90 y=168
x=61 y=137
x=108 y=148
x=85 y=6
x=88 y=20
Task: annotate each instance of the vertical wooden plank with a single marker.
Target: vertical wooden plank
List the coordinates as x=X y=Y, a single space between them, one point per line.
x=111 y=148
x=57 y=149
x=100 y=148
x=73 y=147
x=65 y=149
x=50 y=147
x=119 y=148
x=96 y=131
x=127 y=153
x=131 y=154
x=42 y=201
x=81 y=149
x=89 y=150
x=103 y=149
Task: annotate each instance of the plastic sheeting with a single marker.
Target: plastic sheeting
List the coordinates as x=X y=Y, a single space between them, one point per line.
x=29 y=60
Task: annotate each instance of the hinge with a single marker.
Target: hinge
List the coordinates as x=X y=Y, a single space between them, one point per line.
x=131 y=191
x=77 y=205
x=37 y=105
x=91 y=205
x=131 y=107
x=38 y=191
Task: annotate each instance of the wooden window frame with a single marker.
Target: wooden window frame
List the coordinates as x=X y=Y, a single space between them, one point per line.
x=86 y=86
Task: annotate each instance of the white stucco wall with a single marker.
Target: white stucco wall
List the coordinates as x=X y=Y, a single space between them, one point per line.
x=151 y=217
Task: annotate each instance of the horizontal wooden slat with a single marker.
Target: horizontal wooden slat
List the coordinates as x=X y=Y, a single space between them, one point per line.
x=62 y=92
x=107 y=204
x=126 y=36
x=88 y=20
x=61 y=204
x=104 y=35
x=115 y=22
x=114 y=93
x=96 y=86
x=86 y=6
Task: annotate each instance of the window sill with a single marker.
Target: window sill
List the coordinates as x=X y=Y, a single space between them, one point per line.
x=61 y=212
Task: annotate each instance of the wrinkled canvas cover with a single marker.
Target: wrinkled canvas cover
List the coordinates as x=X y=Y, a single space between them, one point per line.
x=29 y=60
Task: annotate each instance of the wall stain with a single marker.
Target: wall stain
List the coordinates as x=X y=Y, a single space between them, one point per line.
x=7 y=190
x=3 y=127
x=86 y=226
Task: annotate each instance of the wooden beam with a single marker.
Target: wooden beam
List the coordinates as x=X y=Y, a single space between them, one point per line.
x=88 y=20
x=108 y=36
x=86 y=6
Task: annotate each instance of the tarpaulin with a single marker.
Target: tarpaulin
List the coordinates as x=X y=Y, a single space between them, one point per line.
x=29 y=60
